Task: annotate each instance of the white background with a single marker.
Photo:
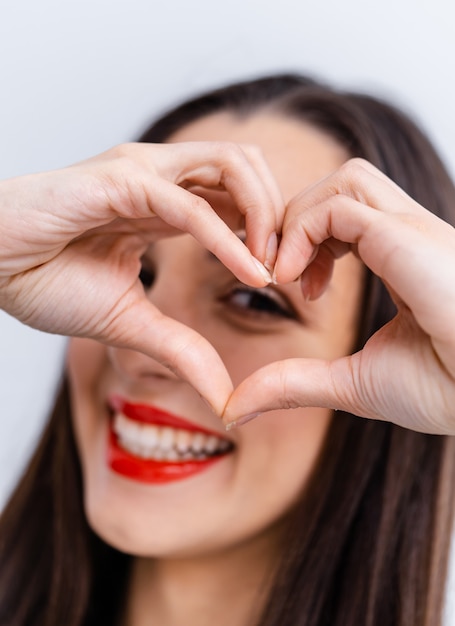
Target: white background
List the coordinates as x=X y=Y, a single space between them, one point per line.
x=78 y=76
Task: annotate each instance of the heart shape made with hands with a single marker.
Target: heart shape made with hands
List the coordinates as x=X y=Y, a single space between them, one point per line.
x=191 y=356
x=188 y=354
x=82 y=280
x=371 y=217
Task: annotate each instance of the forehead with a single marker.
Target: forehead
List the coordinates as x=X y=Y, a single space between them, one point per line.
x=297 y=153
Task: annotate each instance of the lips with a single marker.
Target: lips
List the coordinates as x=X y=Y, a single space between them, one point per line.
x=150 y=445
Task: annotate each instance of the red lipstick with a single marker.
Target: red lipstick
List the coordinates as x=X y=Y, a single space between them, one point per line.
x=148 y=414
x=151 y=471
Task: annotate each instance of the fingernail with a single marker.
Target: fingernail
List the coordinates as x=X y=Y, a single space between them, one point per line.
x=270 y=251
x=264 y=273
x=241 y=420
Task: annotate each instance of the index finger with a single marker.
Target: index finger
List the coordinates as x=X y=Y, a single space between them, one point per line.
x=347 y=206
x=243 y=172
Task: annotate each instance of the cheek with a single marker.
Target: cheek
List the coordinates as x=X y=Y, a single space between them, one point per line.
x=252 y=352
x=85 y=361
x=279 y=451
x=85 y=364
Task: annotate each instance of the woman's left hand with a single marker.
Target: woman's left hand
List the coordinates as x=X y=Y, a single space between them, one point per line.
x=406 y=371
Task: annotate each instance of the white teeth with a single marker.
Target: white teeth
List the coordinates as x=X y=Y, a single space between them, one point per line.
x=127 y=429
x=211 y=443
x=146 y=453
x=167 y=438
x=172 y=455
x=150 y=436
x=117 y=424
x=183 y=440
x=198 y=442
x=158 y=454
x=165 y=443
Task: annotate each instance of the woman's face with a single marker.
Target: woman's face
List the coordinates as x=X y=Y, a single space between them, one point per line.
x=161 y=475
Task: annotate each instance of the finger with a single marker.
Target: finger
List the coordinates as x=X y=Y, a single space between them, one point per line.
x=316 y=277
x=243 y=172
x=127 y=182
x=362 y=181
x=252 y=221
x=333 y=208
x=338 y=222
x=295 y=383
x=265 y=175
x=191 y=213
x=143 y=328
x=412 y=252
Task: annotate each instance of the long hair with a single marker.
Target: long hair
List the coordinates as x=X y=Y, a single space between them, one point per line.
x=368 y=541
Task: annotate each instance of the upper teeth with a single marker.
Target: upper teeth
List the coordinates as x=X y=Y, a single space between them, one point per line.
x=164 y=442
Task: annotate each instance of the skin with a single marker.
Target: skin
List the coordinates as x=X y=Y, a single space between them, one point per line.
x=69 y=263
x=82 y=230
x=359 y=209
x=72 y=240
x=232 y=513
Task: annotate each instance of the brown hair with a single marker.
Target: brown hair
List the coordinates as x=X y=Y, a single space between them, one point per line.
x=369 y=540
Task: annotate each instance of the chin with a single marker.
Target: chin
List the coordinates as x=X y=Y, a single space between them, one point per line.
x=177 y=533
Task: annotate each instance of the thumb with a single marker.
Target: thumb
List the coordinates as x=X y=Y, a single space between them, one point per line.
x=290 y=384
x=142 y=327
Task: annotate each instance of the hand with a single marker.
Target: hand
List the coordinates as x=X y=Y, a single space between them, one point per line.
x=71 y=243
x=406 y=371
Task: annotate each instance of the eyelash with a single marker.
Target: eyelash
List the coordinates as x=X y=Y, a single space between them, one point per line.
x=264 y=302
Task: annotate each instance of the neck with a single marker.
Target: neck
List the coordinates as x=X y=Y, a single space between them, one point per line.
x=225 y=588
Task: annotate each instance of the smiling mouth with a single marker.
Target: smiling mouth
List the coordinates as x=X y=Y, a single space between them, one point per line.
x=164 y=443
x=153 y=446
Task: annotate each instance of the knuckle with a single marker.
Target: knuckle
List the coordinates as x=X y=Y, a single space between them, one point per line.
x=192 y=216
x=253 y=151
x=122 y=151
x=338 y=202
x=286 y=392
x=354 y=168
x=296 y=221
x=230 y=152
x=128 y=160
x=197 y=204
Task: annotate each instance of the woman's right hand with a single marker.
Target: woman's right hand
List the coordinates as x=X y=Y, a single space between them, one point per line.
x=71 y=242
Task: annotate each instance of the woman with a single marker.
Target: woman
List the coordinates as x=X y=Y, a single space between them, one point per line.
x=138 y=508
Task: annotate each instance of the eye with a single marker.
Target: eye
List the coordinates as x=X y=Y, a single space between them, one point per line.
x=261 y=302
x=146 y=276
